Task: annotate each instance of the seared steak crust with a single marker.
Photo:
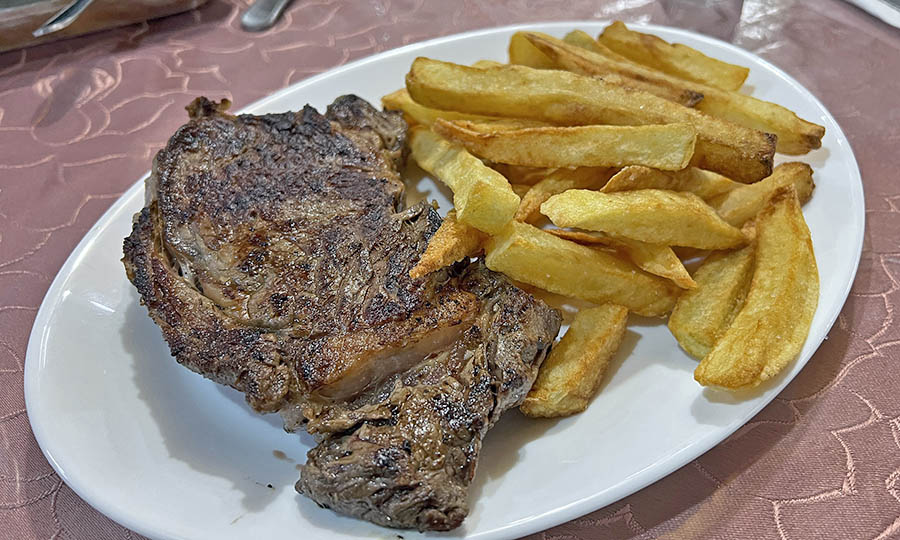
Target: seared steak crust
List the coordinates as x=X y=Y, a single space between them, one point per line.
x=405 y=455
x=274 y=254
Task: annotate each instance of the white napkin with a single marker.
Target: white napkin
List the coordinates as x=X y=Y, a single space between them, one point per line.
x=886 y=10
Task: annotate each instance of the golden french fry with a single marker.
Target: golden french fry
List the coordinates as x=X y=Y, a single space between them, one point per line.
x=528 y=254
x=795 y=135
x=655 y=259
x=688 y=98
x=649 y=215
x=557 y=182
x=675 y=59
x=582 y=39
x=567 y=98
x=516 y=174
x=704 y=184
x=483 y=64
x=702 y=315
x=415 y=113
x=667 y=146
x=453 y=241
x=741 y=204
x=522 y=52
x=574 y=370
x=579 y=60
x=770 y=329
x=482 y=197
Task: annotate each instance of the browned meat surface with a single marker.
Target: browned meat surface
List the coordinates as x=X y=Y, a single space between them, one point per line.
x=274 y=254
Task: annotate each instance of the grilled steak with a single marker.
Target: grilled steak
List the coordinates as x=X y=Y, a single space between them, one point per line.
x=274 y=253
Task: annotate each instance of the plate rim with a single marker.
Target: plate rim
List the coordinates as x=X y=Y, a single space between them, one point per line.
x=35 y=356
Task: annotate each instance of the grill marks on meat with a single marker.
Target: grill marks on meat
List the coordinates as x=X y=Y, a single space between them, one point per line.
x=274 y=254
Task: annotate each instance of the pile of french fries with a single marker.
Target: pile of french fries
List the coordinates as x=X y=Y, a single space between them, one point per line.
x=593 y=168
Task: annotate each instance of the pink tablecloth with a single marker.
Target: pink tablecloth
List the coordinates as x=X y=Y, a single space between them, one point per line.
x=81 y=119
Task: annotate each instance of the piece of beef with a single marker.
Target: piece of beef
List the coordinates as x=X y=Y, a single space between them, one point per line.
x=274 y=254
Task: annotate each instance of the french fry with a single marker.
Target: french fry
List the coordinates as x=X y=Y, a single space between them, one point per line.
x=704 y=184
x=484 y=64
x=522 y=52
x=565 y=98
x=582 y=39
x=795 y=135
x=702 y=315
x=414 y=113
x=770 y=329
x=655 y=259
x=453 y=241
x=557 y=182
x=742 y=204
x=574 y=370
x=667 y=146
x=516 y=174
x=624 y=73
x=675 y=59
x=482 y=197
x=649 y=215
x=534 y=256
x=688 y=98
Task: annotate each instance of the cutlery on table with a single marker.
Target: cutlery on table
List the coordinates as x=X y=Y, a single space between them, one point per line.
x=263 y=14
x=63 y=18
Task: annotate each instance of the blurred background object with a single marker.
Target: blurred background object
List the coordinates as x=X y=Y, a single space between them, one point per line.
x=263 y=14
x=886 y=10
x=19 y=18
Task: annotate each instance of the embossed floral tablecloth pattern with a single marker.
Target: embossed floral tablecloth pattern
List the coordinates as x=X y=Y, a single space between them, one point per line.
x=81 y=119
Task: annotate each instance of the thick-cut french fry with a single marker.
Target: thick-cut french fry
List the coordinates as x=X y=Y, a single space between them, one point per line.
x=534 y=256
x=655 y=259
x=517 y=174
x=741 y=204
x=666 y=146
x=650 y=215
x=770 y=329
x=522 y=52
x=704 y=184
x=453 y=241
x=579 y=60
x=536 y=58
x=482 y=197
x=420 y=114
x=556 y=182
x=582 y=39
x=675 y=59
x=702 y=315
x=795 y=135
x=573 y=372
x=567 y=98
x=483 y=64
x=414 y=113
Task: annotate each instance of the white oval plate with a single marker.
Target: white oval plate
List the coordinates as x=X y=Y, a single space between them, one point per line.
x=172 y=455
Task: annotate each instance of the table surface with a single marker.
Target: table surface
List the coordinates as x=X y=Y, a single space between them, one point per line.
x=81 y=119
